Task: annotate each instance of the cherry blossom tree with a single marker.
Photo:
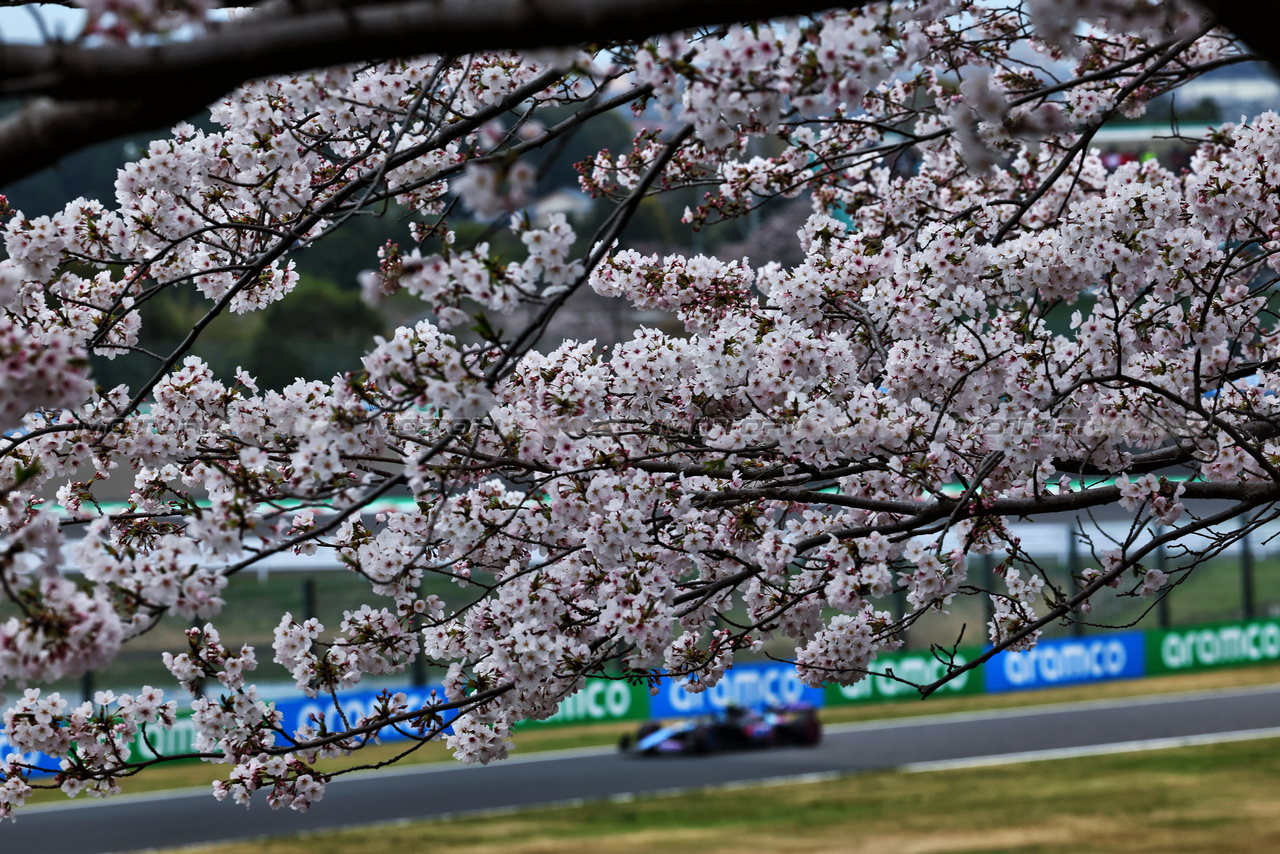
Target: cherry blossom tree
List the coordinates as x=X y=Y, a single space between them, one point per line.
x=783 y=468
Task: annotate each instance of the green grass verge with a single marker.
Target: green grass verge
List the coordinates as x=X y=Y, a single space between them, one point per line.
x=1222 y=798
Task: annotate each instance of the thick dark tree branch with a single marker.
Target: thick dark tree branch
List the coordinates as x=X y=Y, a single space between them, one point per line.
x=1256 y=24
x=311 y=35
x=167 y=82
x=45 y=130
x=86 y=95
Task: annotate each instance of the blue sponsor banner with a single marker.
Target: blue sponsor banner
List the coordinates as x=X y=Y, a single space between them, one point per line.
x=1068 y=661
x=747 y=685
x=37 y=759
x=297 y=711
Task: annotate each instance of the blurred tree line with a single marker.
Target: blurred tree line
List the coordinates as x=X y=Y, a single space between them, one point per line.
x=324 y=326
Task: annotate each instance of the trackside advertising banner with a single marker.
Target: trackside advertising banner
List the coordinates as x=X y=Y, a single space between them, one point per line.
x=600 y=701
x=1215 y=645
x=918 y=667
x=1060 y=661
x=1067 y=661
x=7 y=749
x=748 y=684
x=297 y=711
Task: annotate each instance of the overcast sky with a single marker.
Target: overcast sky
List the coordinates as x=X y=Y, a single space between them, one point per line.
x=18 y=24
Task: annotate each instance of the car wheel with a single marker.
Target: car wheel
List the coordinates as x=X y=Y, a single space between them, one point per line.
x=810 y=733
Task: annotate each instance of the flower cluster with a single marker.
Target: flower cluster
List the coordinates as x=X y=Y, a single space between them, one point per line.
x=288 y=781
x=63 y=630
x=92 y=741
x=980 y=322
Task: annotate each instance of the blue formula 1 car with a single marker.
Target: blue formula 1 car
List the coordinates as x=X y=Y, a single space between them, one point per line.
x=734 y=728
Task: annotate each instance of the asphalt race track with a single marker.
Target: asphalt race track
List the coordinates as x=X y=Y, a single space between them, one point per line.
x=188 y=817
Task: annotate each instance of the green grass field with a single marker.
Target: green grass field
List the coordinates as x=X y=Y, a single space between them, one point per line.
x=1219 y=798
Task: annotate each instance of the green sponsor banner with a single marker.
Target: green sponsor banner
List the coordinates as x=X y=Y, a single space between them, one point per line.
x=919 y=667
x=600 y=701
x=180 y=739
x=1213 y=645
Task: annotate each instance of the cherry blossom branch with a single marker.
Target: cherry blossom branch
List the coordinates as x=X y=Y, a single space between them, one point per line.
x=1070 y=604
x=1065 y=161
x=306 y=223
x=603 y=244
x=81 y=88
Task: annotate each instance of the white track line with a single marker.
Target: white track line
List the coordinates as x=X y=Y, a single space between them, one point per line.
x=1049 y=708
x=1092 y=750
